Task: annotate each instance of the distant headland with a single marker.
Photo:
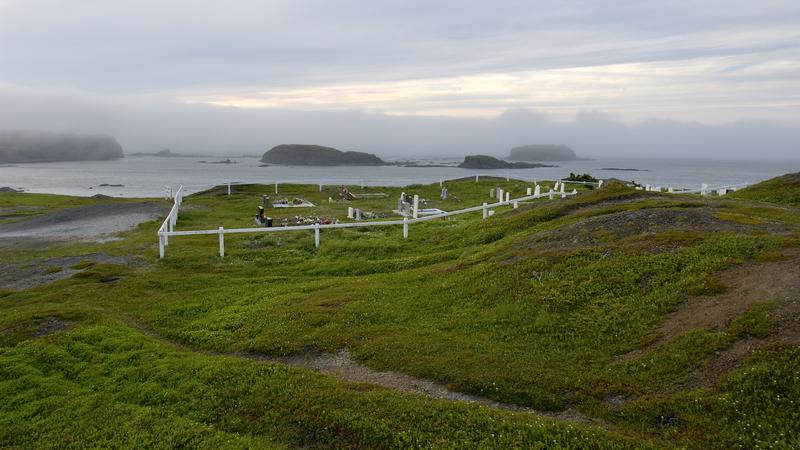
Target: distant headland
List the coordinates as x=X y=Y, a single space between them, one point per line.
x=317 y=155
x=34 y=147
x=543 y=152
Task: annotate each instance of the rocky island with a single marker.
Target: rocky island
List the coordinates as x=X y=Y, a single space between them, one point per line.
x=317 y=155
x=542 y=152
x=33 y=147
x=490 y=162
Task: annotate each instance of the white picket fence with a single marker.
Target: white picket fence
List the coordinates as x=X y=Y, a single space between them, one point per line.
x=167 y=228
x=704 y=189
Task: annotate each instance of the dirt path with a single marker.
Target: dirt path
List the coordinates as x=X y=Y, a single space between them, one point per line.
x=341 y=365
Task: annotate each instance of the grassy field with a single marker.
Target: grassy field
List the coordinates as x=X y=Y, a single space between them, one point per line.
x=565 y=305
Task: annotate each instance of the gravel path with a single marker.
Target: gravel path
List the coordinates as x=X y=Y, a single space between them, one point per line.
x=84 y=222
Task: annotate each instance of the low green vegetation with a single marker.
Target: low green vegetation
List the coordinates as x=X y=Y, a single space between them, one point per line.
x=783 y=190
x=581 y=177
x=557 y=306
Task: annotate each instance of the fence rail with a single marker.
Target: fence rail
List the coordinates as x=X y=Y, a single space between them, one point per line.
x=167 y=228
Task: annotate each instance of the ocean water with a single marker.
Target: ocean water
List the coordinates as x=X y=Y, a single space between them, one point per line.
x=146 y=176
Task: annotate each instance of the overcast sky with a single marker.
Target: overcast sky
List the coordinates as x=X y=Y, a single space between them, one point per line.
x=409 y=77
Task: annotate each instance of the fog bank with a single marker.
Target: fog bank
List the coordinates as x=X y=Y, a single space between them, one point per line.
x=147 y=124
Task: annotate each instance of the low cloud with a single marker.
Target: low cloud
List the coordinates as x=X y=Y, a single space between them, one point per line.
x=146 y=124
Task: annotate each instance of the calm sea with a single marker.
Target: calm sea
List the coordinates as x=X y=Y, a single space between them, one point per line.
x=147 y=176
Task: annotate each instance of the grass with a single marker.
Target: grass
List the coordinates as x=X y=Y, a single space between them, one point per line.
x=783 y=190
x=486 y=307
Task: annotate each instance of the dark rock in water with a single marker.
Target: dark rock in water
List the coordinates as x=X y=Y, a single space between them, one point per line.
x=542 y=152
x=490 y=162
x=224 y=161
x=166 y=153
x=317 y=155
x=264 y=165
x=111 y=185
x=625 y=170
x=10 y=189
x=32 y=147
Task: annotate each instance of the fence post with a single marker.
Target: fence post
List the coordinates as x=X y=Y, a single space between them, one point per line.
x=537 y=190
x=160 y=245
x=499 y=194
x=416 y=206
x=516 y=204
x=405 y=227
x=229 y=189
x=529 y=192
x=476 y=178
x=550 y=194
x=320 y=188
x=316 y=235
x=221 y=241
x=276 y=187
x=562 y=188
x=485 y=211
x=508 y=197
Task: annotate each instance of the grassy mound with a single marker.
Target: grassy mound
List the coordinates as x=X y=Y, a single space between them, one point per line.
x=784 y=189
x=606 y=305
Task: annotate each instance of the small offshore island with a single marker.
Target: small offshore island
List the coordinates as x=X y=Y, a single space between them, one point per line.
x=35 y=147
x=490 y=162
x=318 y=155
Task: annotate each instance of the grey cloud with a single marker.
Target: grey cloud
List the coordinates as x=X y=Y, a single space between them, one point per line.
x=148 y=46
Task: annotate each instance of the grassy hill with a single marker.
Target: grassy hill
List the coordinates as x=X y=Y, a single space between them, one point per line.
x=615 y=319
x=784 y=189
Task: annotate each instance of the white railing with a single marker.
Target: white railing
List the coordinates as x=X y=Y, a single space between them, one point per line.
x=168 y=225
x=167 y=229
x=704 y=189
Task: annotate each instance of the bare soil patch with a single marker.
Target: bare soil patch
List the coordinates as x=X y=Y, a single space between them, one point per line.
x=749 y=283
x=40 y=273
x=50 y=325
x=620 y=225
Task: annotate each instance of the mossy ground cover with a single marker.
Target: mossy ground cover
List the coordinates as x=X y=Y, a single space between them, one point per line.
x=475 y=304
